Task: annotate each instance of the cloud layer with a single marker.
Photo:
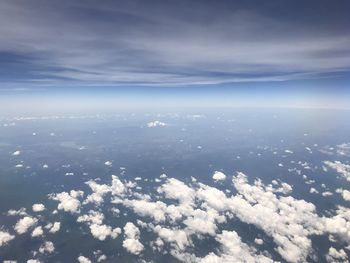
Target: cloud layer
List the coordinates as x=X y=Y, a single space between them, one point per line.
x=173 y=43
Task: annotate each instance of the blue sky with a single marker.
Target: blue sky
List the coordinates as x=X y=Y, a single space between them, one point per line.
x=231 y=53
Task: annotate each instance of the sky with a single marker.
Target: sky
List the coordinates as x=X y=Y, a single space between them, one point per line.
x=278 y=53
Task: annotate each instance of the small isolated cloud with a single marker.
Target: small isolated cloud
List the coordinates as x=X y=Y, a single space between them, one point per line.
x=5 y=237
x=258 y=241
x=55 y=227
x=38 y=231
x=219 y=176
x=24 y=224
x=313 y=191
x=154 y=124
x=131 y=242
x=101 y=258
x=108 y=163
x=47 y=247
x=16 y=153
x=83 y=259
x=327 y=193
x=38 y=207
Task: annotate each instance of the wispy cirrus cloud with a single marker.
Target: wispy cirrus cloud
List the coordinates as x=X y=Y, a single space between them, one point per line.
x=173 y=44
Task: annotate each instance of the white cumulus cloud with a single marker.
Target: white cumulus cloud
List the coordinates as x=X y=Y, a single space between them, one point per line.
x=24 y=224
x=131 y=242
x=219 y=176
x=38 y=207
x=5 y=237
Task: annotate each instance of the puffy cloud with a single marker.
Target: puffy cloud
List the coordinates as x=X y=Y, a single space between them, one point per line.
x=47 y=247
x=313 y=191
x=203 y=222
x=93 y=217
x=335 y=256
x=213 y=197
x=289 y=221
x=13 y=212
x=16 y=153
x=200 y=209
x=133 y=246
x=33 y=261
x=131 y=242
x=98 y=188
x=24 y=224
x=83 y=259
x=147 y=208
x=38 y=231
x=117 y=187
x=131 y=231
x=99 y=191
x=284 y=188
x=38 y=207
x=175 y=189
x=219 y=176
x=176 y=236
x=339 y=224
x=345 y=194
x=5 y=237
x=342 y=169
x=68 y=202
x=199 y=225
x=258 y=241
x=234 y=250
x=101 y=232
x=55 y=227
